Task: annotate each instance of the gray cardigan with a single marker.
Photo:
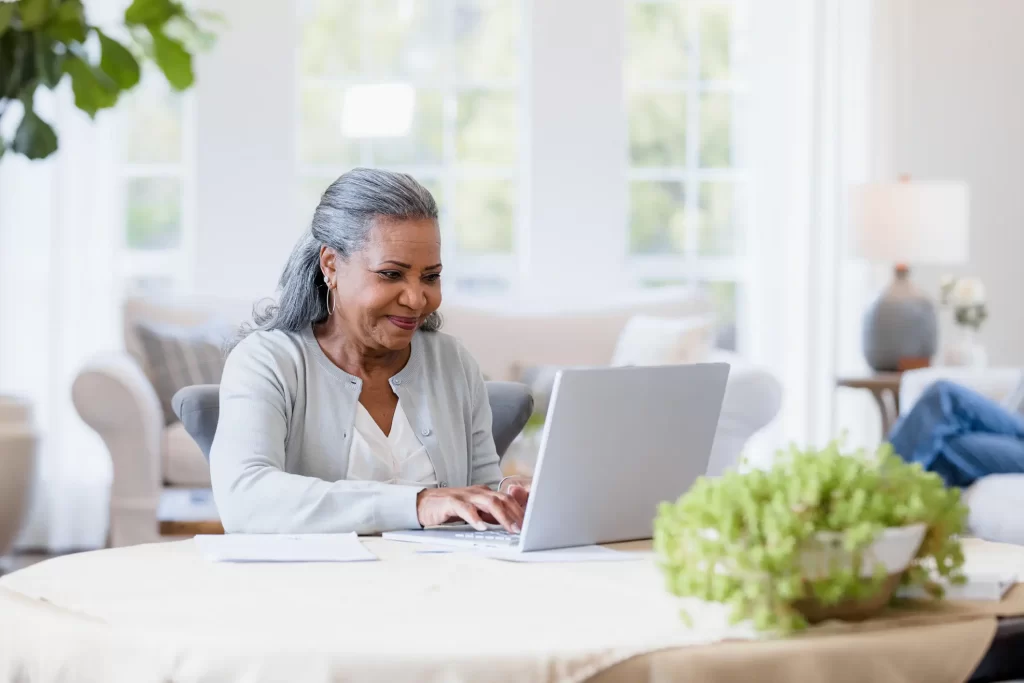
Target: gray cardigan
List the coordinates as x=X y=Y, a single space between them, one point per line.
x=279 y=458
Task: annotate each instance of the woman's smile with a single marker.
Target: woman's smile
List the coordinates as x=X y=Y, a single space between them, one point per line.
x=404 y=323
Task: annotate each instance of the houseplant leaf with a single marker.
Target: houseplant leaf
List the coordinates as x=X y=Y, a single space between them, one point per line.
x=6 y=14
x=118 y=63
x=34 y=138
x=34 y=13
x=68 y=24
x=173 y=59
x=70 y=10
x=17 y=63
x=49 y=63
x=8 y=48
x=150 y=12
x=93 y=91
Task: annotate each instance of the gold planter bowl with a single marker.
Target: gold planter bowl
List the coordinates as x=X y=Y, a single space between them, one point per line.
x=856 y=609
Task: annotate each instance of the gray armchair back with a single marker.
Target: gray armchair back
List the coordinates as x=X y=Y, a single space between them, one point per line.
x=198 y=408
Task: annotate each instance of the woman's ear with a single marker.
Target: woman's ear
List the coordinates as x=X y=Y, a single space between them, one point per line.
x=327 y=264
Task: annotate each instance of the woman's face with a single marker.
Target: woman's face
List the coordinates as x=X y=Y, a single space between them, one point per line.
x=384 y=292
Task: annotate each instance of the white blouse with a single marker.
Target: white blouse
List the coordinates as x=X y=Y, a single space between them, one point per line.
x=397 y=458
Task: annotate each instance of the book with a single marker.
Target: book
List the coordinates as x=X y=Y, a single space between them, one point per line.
x=981 y=586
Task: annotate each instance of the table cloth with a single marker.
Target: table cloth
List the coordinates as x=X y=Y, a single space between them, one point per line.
x=159 y=612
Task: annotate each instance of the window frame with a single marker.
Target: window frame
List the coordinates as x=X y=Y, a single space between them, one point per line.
x=690 y=268
x=173 y=266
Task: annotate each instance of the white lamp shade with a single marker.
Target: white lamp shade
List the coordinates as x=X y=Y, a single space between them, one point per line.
x=911 y=222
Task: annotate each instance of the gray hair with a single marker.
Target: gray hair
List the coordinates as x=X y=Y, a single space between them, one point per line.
x=342 y=221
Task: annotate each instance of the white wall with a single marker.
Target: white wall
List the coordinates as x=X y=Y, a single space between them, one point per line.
x=962 y=116
x=245 y=161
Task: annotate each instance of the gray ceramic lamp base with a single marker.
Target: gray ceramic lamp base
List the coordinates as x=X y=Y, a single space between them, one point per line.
x=900 y=328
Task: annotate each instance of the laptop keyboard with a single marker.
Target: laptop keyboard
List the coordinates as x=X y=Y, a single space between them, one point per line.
x=497 y=536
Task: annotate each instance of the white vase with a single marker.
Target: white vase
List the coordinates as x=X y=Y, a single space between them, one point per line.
x=894 y=549
x=963 y=349
x=18 y=440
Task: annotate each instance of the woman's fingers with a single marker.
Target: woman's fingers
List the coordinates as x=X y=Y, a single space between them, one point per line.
x=519 y=494
x=468 y=512
x=505 y=510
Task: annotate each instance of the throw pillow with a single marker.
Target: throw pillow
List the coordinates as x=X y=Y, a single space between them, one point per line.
x=651 y=340
x=177 y=357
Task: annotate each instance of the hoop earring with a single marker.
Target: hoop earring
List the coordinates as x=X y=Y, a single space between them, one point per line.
x=327 y=299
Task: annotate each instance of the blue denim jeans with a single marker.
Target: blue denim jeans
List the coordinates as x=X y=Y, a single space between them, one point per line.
x=960 y=435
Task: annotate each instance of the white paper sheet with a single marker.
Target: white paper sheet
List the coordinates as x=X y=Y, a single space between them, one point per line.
x=283 y=548
x=584 y=553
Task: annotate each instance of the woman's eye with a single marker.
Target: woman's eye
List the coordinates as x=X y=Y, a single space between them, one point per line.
x=390 y=274
x=433 y=277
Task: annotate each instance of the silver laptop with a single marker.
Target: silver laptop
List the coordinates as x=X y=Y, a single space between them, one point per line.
x=616 y=443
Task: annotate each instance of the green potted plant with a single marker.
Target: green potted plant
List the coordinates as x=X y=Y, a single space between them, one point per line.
x=42 y=41
x=821 y=534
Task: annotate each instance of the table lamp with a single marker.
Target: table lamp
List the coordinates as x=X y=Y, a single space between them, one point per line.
x=899 y=224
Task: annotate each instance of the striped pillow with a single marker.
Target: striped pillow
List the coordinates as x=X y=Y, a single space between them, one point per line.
x=178 y=357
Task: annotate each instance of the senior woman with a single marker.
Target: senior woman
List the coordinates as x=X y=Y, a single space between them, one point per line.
x=343 y=408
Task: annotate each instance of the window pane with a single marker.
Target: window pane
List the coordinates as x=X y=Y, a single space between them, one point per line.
x=484 y=215
x=724 y=299
x=433 y=186
x=481 y=285
x=153 y=213
x=657 y=218
x=723 y=295
x=403 y=38
x=330 y=37
x=424 y=143
x=487 y=36
x=656 y=42
x=657 y=129
x=716 y=148
x=487 y=127
x=152 y=120
x=320 y=134
x=715 y=41
x=719 y=232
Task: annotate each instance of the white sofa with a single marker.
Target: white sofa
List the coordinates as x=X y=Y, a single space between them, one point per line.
x=115 y=397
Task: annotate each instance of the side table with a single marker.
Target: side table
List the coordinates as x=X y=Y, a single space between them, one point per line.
x=885 y=389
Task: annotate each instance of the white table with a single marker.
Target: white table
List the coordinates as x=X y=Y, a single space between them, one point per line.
x=160 y=612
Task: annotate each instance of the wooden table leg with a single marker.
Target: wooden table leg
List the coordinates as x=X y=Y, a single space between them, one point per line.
x=888 y=406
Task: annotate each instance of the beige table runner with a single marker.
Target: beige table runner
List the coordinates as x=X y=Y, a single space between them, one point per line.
x=159 y=612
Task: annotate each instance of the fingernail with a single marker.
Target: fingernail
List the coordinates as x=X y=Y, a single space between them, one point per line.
x=515 y=528
x=480 y=526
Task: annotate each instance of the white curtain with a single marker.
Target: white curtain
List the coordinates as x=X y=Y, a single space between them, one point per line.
x=58 y=305
x=815 y=102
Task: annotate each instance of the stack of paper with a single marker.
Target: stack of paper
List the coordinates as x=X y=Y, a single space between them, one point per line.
x=283 y=548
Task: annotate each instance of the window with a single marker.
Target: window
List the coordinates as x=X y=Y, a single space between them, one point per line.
x=684 y=100
x=428 y=88
x=155 y=196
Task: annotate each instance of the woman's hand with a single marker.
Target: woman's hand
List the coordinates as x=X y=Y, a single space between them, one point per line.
x=477 y=505
x=517 y=486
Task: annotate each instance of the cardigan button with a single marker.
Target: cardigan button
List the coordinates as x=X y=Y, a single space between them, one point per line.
x=442 y=484
x=425 y=432
x=396 y=382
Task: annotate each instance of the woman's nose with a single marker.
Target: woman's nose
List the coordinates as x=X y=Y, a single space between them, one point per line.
x=413 y=296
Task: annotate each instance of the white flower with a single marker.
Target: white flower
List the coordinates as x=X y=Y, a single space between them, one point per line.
x=968 y=291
